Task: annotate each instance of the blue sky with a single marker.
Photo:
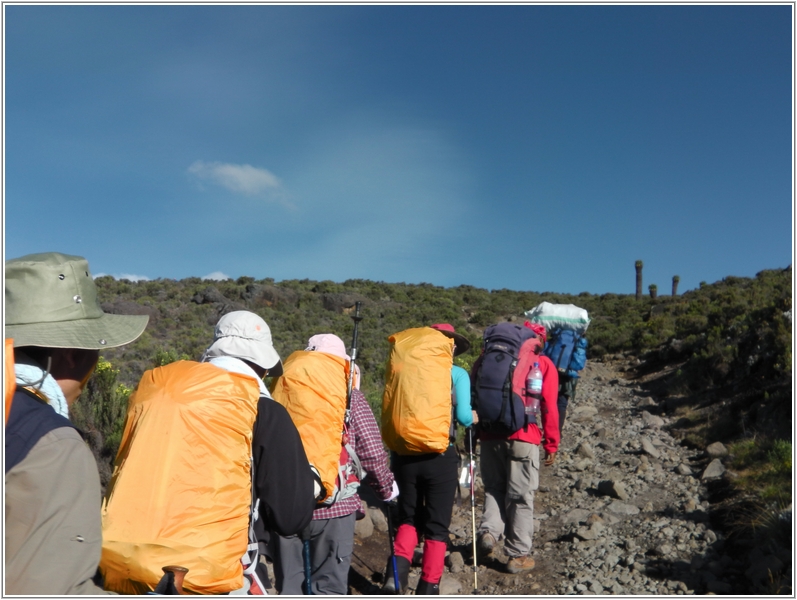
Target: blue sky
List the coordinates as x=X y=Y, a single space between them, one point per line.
x=528 y=147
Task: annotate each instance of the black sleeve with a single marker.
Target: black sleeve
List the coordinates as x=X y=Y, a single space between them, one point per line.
x=283 y=480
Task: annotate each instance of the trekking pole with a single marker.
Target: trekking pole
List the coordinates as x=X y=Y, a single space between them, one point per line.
x=391 y=540
x=472 y=506
x=308 y=590
x=356 y=318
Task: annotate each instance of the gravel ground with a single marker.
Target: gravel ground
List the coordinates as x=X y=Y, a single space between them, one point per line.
x=624 y=510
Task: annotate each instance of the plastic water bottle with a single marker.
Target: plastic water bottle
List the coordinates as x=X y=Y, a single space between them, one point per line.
x=533 y=393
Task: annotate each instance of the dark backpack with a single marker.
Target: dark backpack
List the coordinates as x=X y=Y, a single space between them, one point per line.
x=497 y=394
x=567 y=351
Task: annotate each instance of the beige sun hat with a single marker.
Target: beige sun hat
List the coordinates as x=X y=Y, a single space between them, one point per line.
x=51 y=301
x=243 y=334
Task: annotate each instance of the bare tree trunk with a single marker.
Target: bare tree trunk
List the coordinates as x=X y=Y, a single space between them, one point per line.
x=675 y=280
x=638 y=266
x=653 y=289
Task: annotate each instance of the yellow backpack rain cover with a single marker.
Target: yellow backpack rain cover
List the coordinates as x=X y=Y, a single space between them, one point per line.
x=181 y=488
x=313 y=389
x=416 y=406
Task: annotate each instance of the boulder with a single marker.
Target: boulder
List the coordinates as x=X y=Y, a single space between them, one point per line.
x=455 y=562
x=621 y=508
x=582 y=483
x=581 y=465
x=585 y=450
x=583 y=413
x=364 y=528
x=714 y=469
x=450 y=586
x=127 y=307
x=377 y=518
x=590 y=533
x=210 y=295
x=613 y=488
x=716 y=450
x=649 y=448
x=341 y=303
x=577 y=515
x=652 y=421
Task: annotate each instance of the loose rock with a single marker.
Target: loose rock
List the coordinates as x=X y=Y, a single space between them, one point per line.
x=717 y=450
x=714 y=469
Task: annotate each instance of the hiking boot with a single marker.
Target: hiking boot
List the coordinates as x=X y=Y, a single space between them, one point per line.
x=427 y=589
x=403 y=566
x=486 y=543
x=520 y=563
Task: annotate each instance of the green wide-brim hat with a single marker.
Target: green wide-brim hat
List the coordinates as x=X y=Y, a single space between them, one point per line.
x=51 y=301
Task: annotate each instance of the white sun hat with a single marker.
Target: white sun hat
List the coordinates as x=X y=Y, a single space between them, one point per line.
x=245 y=335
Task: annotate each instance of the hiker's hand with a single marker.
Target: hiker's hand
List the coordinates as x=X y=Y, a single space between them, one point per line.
x=475 y=417
x=549 y=458
x=394 y=494
x=319 y=491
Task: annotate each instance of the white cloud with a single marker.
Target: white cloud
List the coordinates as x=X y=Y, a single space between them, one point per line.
x=242 y=179
x=119 y=276
x=131 y=277
x=216 y=276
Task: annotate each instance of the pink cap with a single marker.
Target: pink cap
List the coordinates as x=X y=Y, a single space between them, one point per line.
x=329 y=343
x=332 y=344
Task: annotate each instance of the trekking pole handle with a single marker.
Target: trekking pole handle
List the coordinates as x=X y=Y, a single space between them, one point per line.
x=356 y=318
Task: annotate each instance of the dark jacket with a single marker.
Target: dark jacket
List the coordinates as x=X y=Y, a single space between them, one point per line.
x=53 y=534
x=283 y=479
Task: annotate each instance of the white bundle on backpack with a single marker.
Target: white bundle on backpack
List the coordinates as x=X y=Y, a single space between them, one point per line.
x=565 y=316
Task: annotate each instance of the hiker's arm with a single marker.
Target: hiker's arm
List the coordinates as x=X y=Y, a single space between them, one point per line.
x=283 y=480
x=53 y=536
x=461 y=383
x=549 y=408
x=368 y=446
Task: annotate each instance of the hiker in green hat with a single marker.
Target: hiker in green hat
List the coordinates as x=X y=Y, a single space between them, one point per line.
x=53 y=534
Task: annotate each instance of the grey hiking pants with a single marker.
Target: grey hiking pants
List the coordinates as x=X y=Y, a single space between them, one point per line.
x=331 y=547
x=510 y=470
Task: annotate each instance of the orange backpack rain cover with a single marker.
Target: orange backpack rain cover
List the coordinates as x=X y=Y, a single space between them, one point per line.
x=9 y=377
x=312 y=389
x=416 y=405
x=181 y=487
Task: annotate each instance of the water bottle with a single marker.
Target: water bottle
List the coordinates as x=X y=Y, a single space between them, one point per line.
x=534 y=394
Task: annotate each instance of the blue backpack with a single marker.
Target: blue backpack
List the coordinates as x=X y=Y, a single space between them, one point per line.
x=567 y=351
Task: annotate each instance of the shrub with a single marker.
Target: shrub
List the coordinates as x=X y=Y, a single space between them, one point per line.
x=780 y=456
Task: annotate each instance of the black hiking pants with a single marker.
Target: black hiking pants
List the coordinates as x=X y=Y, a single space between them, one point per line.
x=427 y=484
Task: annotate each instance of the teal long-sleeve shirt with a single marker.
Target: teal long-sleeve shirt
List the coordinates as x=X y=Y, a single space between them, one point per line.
x=460 y=381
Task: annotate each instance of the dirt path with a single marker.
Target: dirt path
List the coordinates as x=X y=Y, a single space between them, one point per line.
x=623 y=511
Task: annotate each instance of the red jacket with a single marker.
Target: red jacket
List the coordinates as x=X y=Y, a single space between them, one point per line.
x=548 y=407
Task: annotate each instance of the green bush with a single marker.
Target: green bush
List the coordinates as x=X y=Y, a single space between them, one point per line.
x=735 y=332
x=779 y=456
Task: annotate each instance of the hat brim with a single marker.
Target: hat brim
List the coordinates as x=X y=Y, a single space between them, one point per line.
x=276 y=370
x=107 y=331
x=261 y=354
x=461 y=343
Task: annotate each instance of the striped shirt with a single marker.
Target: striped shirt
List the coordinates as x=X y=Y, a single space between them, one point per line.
x=365 y=438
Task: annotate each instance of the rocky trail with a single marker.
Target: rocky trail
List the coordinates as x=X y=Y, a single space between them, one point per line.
x=626 y=509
